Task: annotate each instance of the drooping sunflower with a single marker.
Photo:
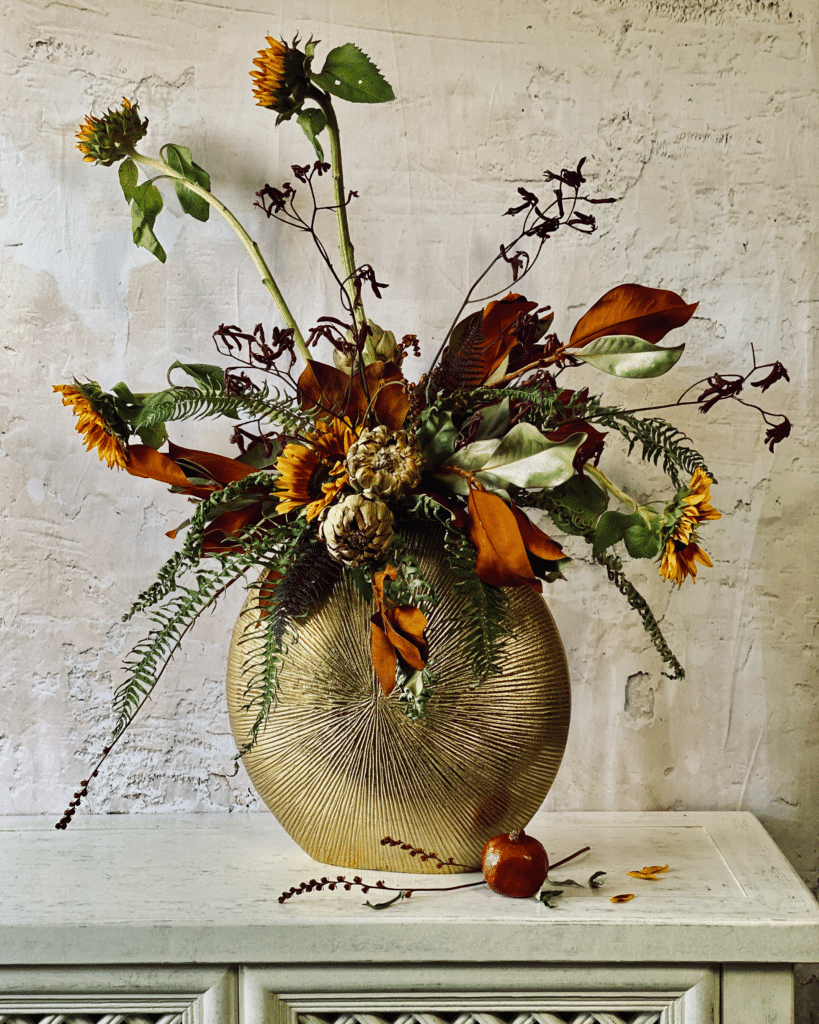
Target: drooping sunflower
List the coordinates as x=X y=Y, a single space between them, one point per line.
x=312 y=473
x=96 y=432
x=280 y=78
x=104 y=140
x=682 y=552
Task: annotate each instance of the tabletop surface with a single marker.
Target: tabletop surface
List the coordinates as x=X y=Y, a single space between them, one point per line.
x=203 y=888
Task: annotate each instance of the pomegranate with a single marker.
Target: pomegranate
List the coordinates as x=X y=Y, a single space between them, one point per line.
x=514 y=864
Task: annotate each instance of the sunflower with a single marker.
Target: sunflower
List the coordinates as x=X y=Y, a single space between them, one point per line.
x=682 y=552
x=313 y=472
x=97 y=433
x=104 y=140
x=280 y=79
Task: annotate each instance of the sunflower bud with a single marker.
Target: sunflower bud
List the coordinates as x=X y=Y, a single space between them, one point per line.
x=280 y=78
x=357 y=530
x=385 y=463
x=383 y=343
x=107 y=139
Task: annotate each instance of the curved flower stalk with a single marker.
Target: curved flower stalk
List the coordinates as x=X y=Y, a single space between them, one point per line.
x=112 y=137
x=283 y=82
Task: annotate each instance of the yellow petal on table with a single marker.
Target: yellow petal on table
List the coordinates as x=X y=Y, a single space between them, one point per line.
x=656 y=870
x=642 y=874
x=622 y=898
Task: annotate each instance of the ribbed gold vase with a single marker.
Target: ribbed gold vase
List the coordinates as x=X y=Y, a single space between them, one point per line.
x=341 y=767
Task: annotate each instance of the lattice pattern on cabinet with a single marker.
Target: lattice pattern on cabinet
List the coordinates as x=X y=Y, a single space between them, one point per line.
x=71 y=1017
x=539 y=1017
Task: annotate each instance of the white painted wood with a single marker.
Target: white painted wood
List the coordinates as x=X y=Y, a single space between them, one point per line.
x=757 y=994
x=200 y=888
x=398 y=994
x=111 y=995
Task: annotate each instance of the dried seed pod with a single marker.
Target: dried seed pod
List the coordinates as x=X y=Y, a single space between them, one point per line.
x=385 y=463
x=357 y=530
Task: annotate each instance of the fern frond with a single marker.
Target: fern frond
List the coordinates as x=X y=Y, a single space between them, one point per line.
x=189 y=555
x=658 y=438
x=409 y=587
x=147 y=660
x=614 y=570
x=268 y=643
x=309 y=576
x=569 y=520
x=184 y=403
x=486 y=615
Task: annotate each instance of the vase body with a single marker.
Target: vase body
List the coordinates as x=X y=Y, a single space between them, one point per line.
x=341 y=767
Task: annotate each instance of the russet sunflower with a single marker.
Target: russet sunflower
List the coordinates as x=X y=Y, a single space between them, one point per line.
x=312 y=473
x=104 y=140
x=90 y=423
x=682 y=552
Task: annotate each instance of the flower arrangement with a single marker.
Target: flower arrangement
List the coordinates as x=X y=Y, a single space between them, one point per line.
x=333 y=461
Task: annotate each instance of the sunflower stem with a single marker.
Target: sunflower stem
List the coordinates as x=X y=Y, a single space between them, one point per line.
x=252 y=248
x=345 y=244
x=613 y=489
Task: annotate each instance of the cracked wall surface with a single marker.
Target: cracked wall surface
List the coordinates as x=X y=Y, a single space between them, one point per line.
x=700 y=115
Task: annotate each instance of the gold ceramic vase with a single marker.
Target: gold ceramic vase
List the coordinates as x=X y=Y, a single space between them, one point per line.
x=341 y=767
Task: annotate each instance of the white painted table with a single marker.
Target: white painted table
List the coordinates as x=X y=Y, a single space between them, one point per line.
x=148 y=919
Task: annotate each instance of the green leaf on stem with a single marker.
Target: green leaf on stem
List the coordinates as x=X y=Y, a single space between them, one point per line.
x=313 y=122
x=624 y=355
x=154 y=435
x=128 y=175
x=146 y=203
x=350 y=74
x=180 y=158
x=206 y=375
x=611 y=527
x=582 y=496
x=643 y=539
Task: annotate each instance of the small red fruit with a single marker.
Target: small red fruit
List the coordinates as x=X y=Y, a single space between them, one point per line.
x=514 y=864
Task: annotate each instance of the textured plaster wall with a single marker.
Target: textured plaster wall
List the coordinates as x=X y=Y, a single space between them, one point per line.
x=700 y=114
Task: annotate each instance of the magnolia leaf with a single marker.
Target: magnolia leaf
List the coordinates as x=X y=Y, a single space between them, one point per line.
x=643 y=540
x=545 y=896
x=146 y=202
x=595 y=882
x=388 y=903
x=494 y=420
x=624 y=355
x=527 y=459
x=633 y=309
x=611 y=527
x=349 y=73
x=206 y=375
x=312 y=122
x=128 y=175
x=180 y=158
x=436 y=436
x=499 y=371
